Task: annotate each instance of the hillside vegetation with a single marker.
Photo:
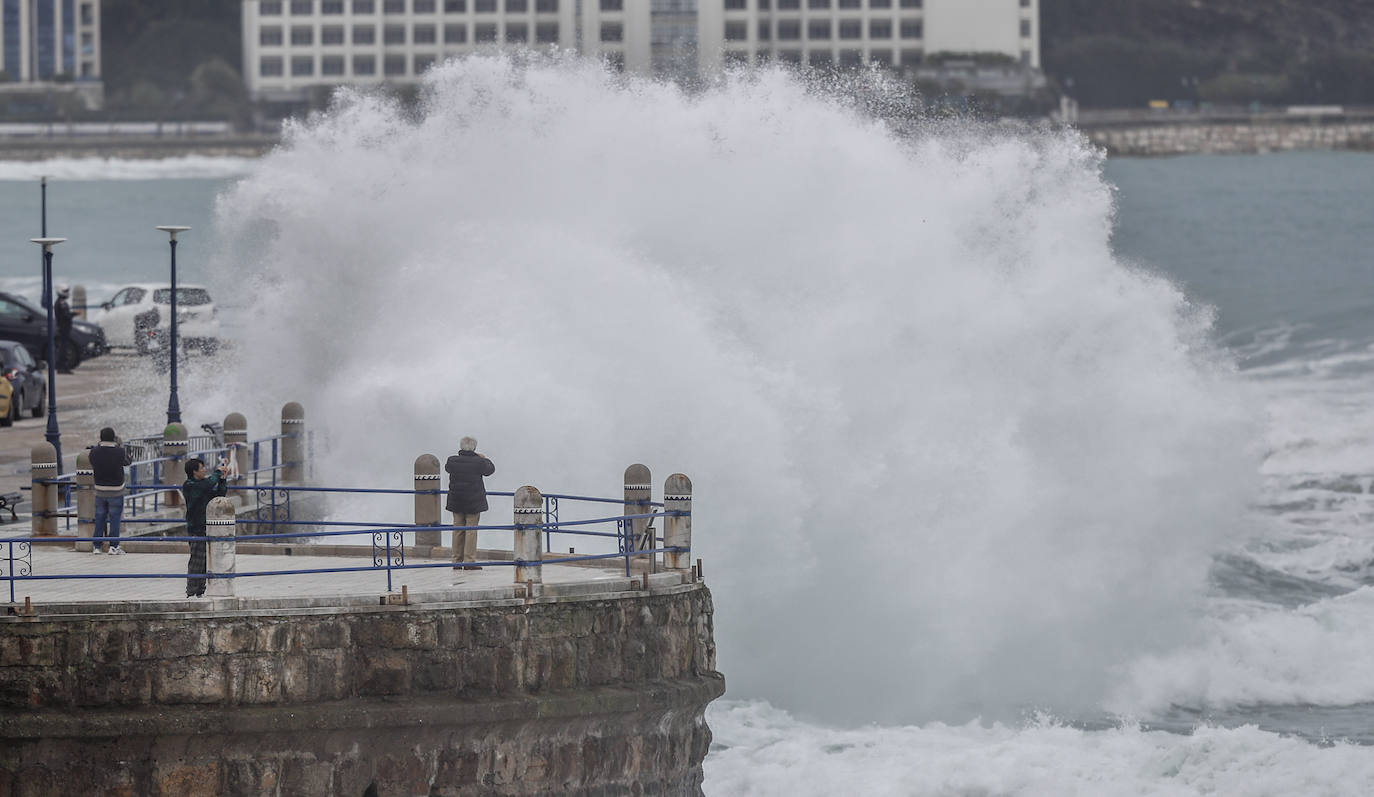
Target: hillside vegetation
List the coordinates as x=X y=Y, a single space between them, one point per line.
x=1123 y=53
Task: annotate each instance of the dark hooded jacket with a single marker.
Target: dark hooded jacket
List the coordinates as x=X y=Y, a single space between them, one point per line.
x=198 y=493
x=466 y=491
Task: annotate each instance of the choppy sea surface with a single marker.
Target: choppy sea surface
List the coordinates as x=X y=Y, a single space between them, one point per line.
x=1019 y=472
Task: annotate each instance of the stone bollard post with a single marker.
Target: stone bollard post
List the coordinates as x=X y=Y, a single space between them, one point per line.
x=236 y=437
x=677 y=529
x=529 y=510
x=293 y=446
x=85 y=500
x=428 y=507
x=220 y=529
x=43 y=466
x=174 y=470
x=79 y=301
x=638 y=494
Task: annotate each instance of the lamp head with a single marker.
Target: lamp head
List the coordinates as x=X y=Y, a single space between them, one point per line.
x=47 y=243
x=172 y=230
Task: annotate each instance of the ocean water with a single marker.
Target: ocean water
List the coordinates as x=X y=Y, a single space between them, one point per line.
x=1018 y=471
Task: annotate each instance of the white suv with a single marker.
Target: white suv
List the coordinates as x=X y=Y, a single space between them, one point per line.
x=140 y=316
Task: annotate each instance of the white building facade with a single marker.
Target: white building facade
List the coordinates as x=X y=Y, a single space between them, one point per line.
x=45 y=40
x=292 y=46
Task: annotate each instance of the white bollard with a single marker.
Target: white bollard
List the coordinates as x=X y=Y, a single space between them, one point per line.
x=529 y=511
x=677 y=529
x=220 y=529
x=427 y=504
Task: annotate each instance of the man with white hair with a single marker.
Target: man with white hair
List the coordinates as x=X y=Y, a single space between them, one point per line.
x=467 y=498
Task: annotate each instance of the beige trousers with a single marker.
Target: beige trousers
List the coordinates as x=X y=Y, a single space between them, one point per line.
x=465 y=542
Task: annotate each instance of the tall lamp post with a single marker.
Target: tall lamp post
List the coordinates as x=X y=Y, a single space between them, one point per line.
x=173 y=407
x=52 y=435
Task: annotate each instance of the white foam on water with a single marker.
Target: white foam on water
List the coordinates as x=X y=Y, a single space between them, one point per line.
x=176 y=168
x=950 y=457
x=759 y=751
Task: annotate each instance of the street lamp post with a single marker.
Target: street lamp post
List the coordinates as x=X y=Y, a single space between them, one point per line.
x=52 y=435
x=173 y=407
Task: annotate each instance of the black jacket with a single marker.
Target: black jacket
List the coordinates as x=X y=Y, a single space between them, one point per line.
x=198 y=493
x=108 y=460
x=466 y=492
x=62 y=313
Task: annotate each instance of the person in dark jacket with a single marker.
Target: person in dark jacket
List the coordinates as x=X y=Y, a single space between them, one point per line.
x=467 y=498
x=62 y=314
x=108 y=460
x=197 y=491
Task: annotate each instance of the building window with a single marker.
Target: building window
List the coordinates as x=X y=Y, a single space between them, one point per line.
x=615 y=60
x=364 y=65
x=455 y=6
x=332 y=65
x=423 y=62
x=87 y=44
x=331 y=7
x=736 y=5
x=821 y=58
x=851 y=29
x=736 y=57
x=911 y=3
x=612 y=32
x=484 y=6
x=363 y=7
x=737 y=31
x=302 y=34
x=880 y=29
x=517 y=32
x=424 y=34
x=912 y=56
x=790 y=5
x=269 y=66
x=818 y=29
x=851 y=57
x=87 y=14
x=1025 y=3
x=303 y=66
x=455 y=34
x=269 y=8
x=364 y=34
x=269 y=37
x=546 y=6
x=517 y=6
x=880 y=3
x=485 y=32
x=851 y=4
x=881 y=57
x=765 y=30
x=612 y=5
x=394 y=34
x=393 y=6
x=789 y=30
x=546 y=32
x=1025 y=28
x=1025 y=58
x=789 y=56
x=911 y=29
x=817 y=4
x=302 y=8
x=394 y=65
x=332 y=34
x=422 y=6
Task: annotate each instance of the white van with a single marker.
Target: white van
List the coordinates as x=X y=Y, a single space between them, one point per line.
x=139 y=316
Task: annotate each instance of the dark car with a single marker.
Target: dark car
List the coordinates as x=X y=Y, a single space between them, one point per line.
x=26 y=376
x=25 y=323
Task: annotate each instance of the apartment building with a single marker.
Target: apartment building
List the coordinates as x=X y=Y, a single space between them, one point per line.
x=50 y=39
x=291 y=46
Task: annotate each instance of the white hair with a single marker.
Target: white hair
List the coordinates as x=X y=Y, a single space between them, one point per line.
x=467 y=444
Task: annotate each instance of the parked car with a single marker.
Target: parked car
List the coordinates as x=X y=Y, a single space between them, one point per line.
x=140 y=316
x=26 y=378
x=23 y=322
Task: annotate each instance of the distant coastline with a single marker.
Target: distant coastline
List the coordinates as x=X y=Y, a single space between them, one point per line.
x=136 y=147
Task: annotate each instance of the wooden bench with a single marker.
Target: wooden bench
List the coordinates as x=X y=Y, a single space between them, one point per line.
x=11 y=501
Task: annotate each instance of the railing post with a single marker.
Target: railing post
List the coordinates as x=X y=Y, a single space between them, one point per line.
x=174 y=471
x=677 y=528
x=85 y=500
x=427 y=504
x=638 y=494
x=236 y=440
x=220 y=529
x=529 y=508
x=79 y=301
x=42 y=467
x=293 y=445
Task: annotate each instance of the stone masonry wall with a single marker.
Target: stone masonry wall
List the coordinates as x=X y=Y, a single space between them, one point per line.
x=1183 y=139
x=596 y=696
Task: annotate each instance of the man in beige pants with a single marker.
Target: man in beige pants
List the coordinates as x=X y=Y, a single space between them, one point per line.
x=467 y=498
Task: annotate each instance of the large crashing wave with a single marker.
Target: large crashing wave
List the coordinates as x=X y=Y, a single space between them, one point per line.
x=950 y=456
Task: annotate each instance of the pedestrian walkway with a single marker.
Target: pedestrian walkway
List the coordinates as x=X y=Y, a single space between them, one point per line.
x=163 y=577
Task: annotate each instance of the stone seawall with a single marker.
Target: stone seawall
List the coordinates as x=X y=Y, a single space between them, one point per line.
x=595 y=695
x=1228 y=138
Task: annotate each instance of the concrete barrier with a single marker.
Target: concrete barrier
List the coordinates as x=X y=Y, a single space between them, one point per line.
x=174 y=442
x=638 y=498
x=428 y=507
x=677 y=529
x=293 y=445
x=221 y=526
x=529 y=511
x=42 y=468
x=85 y=500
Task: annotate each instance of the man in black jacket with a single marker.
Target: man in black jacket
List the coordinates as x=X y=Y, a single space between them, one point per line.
x=198 y=489
x=467 y=498
x=62 y=313
x=108 y=460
